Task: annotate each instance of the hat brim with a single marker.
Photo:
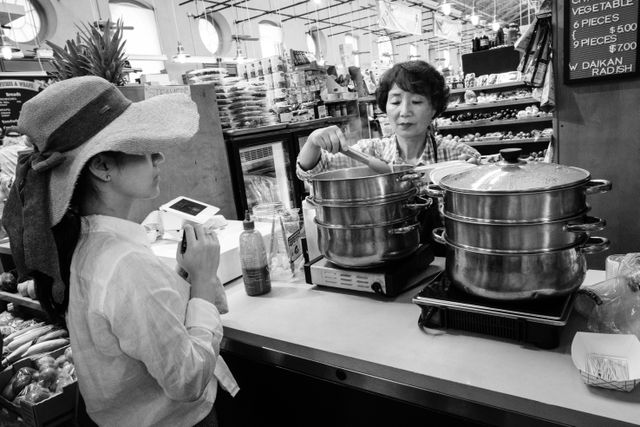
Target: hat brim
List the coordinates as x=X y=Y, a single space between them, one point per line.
x=144 y=127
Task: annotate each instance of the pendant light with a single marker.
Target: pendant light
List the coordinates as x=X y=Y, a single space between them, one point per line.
x=445 y=7
x=239 y=58
x=320 y=61
x=42 y=51
x=7 y=49
x=180 y=56
x=475 y=19
x=495 y=25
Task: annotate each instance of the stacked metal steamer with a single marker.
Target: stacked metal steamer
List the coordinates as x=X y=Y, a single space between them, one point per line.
x=517 y=230
x=365 y=219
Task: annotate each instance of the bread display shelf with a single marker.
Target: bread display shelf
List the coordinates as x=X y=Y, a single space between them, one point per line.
x=494 y=104
x=340 y=101
x=508 y=85
x=517 y=141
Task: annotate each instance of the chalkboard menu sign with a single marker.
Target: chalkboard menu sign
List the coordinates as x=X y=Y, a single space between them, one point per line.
x=14 y=93
x=601 y=39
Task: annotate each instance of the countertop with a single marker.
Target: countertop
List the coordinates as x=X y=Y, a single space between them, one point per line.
x=374 y=342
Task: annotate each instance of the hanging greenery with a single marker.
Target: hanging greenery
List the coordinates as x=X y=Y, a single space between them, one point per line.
x=97 y=51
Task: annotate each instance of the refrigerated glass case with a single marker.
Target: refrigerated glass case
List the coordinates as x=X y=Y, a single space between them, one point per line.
x=263 y=164
x=267 y=174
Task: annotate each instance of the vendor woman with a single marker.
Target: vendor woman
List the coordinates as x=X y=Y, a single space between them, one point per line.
x=412 y=94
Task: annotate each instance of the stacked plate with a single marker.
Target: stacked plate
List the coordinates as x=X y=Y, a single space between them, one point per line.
x=243 y=104
x=206 y=75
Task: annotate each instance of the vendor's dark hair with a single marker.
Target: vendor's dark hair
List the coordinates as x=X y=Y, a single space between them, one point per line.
x=415 y=77
x=66 y=235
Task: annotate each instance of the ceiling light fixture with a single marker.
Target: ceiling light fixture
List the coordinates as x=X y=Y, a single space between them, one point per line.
x=495 y=25
x=180 y=56
x=7 y=49
x=320 y=61
x=445 y=7
x=475 y=19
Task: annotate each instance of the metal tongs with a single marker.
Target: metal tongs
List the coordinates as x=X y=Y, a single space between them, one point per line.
x=380 y=166
x=377 y=165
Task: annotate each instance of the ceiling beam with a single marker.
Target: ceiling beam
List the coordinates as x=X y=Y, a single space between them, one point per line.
x=268 y=12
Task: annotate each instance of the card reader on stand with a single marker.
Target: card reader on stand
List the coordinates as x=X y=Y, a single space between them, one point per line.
x=389 y=279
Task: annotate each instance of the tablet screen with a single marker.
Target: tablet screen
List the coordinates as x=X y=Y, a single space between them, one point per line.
x=189 y=207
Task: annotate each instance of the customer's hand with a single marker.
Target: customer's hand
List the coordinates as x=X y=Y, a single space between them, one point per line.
x=202 y=256
x=330 y=139
x=200 y=261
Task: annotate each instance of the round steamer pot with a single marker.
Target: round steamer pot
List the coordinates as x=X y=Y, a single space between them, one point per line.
x=520 y=237
x=515 y=191
x=506 y=276
x=361 y=184
x=380 y=212
x=368 y=246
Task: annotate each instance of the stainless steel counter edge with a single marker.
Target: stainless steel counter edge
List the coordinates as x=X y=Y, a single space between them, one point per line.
x=410 y=387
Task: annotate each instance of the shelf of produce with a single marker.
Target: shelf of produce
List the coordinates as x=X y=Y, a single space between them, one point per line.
x=18 y=299
x=246 y=131
x=340 y=101
x=310 y=67
x=485 y=123
x=494 y=104
x=368 y=98
x=341 y=118
x=518 y=141
x=307 y=123
x=507 y=85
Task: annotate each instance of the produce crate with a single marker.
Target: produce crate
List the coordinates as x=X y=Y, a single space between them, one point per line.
x=50 y=412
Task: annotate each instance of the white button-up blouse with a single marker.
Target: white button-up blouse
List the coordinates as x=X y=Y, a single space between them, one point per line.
x=145 y=353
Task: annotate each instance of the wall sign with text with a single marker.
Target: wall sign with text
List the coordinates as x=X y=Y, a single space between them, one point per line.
x=14 y=93
x=601 y=39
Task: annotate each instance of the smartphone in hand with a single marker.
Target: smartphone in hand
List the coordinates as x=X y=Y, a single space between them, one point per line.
x=183 y=244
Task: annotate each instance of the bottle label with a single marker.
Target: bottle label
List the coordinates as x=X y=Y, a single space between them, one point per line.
x=295 y=248
x=256 y=280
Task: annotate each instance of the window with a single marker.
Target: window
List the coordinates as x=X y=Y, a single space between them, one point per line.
x=413 y=52
x=350 y=39
x=142 y=42
x=209 y=31
x=311 y=45
x=385 y=49
x=270 y=38
x=24 y=21
x=317 y=43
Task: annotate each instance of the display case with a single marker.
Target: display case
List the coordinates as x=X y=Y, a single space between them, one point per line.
x=262 y=162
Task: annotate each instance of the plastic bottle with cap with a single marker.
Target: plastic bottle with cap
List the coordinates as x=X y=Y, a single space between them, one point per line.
x=253 y=260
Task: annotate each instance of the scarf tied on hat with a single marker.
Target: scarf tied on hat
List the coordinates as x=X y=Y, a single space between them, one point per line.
x=33 y=247
x=27 y=217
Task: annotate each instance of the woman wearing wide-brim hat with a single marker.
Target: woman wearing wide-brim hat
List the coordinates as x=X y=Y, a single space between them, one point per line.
x=145 y=341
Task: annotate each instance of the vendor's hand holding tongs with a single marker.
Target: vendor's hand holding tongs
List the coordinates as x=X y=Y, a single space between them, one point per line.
x=380 y=166
x=376 y=164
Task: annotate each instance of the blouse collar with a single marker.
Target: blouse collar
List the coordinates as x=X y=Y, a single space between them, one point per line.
x=123 y=228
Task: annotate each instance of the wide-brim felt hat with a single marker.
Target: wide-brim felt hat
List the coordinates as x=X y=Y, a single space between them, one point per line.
x=73 y=120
